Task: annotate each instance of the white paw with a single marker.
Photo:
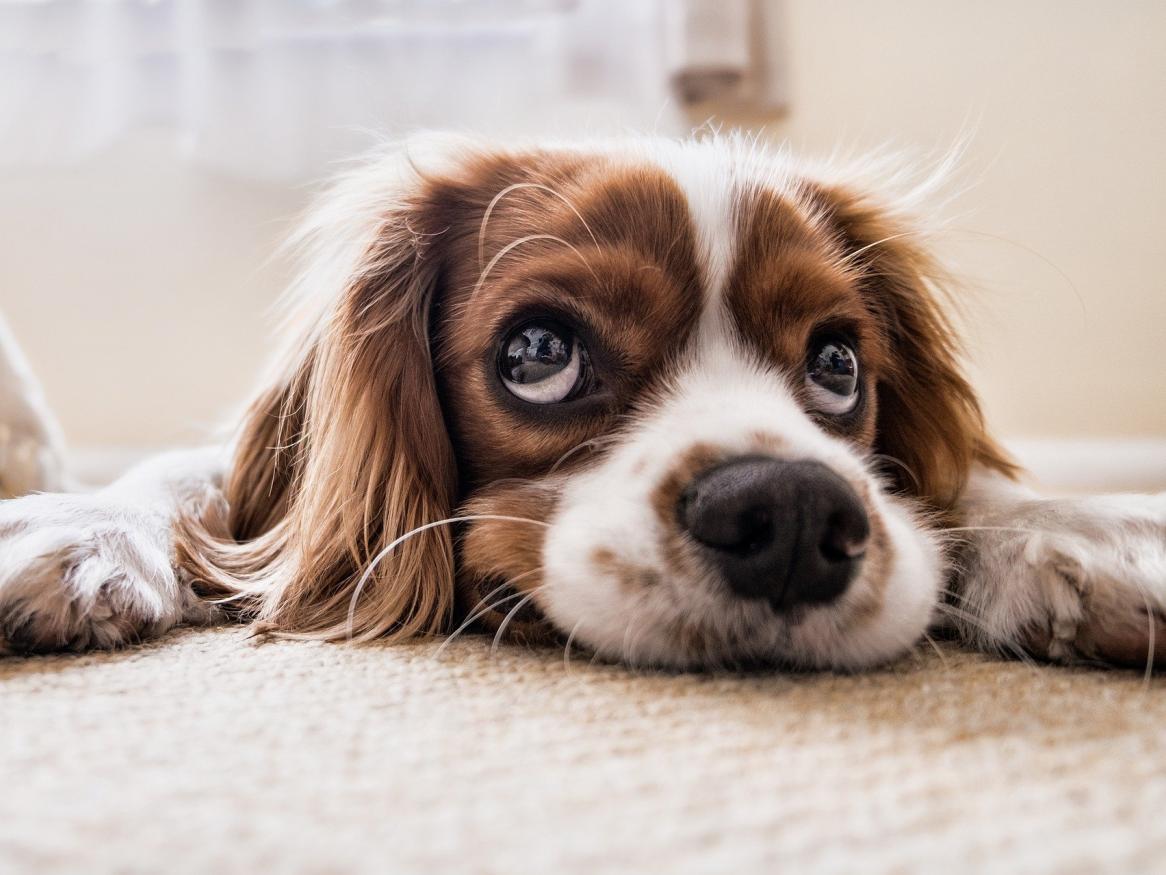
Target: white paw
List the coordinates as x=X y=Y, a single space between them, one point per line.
x=1068 y=579
x=82 y=571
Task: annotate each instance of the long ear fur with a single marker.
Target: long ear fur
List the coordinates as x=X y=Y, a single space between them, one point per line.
x=929 y=418
x=345 y=451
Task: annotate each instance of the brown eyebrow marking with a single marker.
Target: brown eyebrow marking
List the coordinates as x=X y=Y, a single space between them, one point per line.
x=514 y=244
x=517 y=186
x=789 y=280
x=594 y=239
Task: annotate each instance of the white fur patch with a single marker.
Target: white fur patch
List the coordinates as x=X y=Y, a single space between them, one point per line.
x=720 y=399
x=80 y=571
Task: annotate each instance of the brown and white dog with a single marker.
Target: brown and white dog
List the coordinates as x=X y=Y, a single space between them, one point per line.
x=683 y=404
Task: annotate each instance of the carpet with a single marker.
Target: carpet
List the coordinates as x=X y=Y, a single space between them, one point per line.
x=206 y=752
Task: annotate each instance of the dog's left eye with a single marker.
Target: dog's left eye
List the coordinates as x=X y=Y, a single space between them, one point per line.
x=543 y=363
x=832 y=377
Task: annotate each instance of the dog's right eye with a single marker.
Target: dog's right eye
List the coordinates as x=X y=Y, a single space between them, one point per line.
x=543 y=363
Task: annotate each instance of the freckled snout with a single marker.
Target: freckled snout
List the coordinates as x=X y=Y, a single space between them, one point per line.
x=789 y=532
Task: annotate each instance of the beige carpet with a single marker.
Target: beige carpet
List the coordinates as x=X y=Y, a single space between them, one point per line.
x=206 y=753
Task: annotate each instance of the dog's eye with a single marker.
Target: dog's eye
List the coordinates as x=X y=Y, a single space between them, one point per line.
x=543 y=363
x=832 y=377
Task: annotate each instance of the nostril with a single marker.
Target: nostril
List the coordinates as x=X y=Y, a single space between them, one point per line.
x=845 y=537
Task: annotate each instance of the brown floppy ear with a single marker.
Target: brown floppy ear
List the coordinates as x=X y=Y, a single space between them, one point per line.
x=929 y=419
x=346 y=451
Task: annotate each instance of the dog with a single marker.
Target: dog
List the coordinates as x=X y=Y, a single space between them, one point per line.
x=682 y=404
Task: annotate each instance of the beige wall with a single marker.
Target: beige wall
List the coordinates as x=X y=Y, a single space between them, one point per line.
x=139 y=284
x=139 y=288
x=1061 y=238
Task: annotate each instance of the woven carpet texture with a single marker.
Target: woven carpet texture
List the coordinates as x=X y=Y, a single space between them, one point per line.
x=207 y=752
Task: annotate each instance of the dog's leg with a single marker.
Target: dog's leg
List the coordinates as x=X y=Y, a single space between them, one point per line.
x=1067 y=579
x=97 y=570
x=30 y=439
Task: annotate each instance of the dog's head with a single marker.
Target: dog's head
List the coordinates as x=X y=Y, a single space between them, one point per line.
x=690 y=402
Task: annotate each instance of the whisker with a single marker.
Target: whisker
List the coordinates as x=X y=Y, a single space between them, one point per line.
x=993 y=529
x=943 y=590
x=449 y=521
x=845 y=262
x=587 y=444
x=538 y=569
x=996 y=640
x=910 y=473
x=484 y=609
x=1036 y=252
x=515 y=187
x=626 y=648
x=938 y=650
x=481 y=608
x=1150 y=633
x=510 y=616
x=961 y=614
x=515 y=243
x=959 y=535
x=567 y=647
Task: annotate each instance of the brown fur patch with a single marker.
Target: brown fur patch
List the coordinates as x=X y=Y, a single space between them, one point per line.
x=788 y=285
x=928 y=418
x=628 y=574
x=622 y=271
x=506 y=553
x=665 y=496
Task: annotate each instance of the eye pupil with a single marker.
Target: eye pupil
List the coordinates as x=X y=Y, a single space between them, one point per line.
x=536 y=353
x=832 y=376
x=543 y=363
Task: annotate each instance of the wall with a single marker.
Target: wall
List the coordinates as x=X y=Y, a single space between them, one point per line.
x=139 y=288
x=1061 y=236
x=139 y=285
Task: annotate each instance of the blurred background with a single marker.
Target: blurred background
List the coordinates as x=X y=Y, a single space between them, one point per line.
x=153 y=153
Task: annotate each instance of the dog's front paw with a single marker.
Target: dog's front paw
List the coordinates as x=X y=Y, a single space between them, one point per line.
x=1068 y=580
x=79 y=571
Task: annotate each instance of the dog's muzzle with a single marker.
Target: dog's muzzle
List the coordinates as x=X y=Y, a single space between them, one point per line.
x=789 y=532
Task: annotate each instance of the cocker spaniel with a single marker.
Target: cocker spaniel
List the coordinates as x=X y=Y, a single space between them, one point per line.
x=680 y=404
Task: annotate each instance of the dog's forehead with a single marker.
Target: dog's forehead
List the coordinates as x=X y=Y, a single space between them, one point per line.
x=705 y=216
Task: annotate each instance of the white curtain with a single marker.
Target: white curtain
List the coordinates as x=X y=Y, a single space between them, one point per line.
x=279 y=88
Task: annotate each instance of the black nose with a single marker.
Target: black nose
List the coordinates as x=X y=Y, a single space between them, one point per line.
x=789 y=532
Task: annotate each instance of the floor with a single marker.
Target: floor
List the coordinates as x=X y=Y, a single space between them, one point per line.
x=207 y=752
